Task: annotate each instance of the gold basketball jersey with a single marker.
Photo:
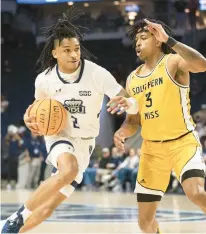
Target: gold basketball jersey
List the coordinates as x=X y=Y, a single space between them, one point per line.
x=164 y=105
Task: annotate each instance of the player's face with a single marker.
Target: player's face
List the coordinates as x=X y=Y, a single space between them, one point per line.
x=146 y=45
x=68 y=54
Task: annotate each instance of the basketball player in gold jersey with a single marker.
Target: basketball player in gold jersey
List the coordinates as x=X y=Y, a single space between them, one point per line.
x=161 y=87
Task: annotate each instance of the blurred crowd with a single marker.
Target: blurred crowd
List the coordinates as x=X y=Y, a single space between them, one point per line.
x=20 y=147
x=181 y=14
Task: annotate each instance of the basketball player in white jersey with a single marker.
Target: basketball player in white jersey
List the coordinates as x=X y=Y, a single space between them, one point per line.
x=80 y=86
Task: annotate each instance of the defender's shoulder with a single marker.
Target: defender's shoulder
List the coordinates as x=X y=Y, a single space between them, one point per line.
x=129 y=77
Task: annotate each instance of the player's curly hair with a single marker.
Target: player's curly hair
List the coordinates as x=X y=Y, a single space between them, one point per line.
x=63 y=28
x=139 y=26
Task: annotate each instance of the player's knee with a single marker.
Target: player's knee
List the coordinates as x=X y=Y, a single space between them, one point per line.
x=70 y=172
x=145 y=222
x=197 y=196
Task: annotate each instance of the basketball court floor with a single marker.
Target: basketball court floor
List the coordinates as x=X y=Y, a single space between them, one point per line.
x=103 y=212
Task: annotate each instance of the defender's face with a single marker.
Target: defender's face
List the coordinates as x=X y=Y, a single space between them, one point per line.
x=145 y=44
x=68 y=53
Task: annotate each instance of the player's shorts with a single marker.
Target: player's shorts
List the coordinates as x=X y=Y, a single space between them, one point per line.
x=158 y=159
x=81 y=148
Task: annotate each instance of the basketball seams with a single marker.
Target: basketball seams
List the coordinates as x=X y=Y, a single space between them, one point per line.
x=52 y=122
x=49 y=116
x=60 y=105
x=36 y=108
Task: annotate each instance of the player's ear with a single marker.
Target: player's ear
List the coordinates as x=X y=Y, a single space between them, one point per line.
x=54 y=53
x=158 y=43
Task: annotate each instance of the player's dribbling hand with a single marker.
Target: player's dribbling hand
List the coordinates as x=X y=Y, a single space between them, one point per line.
x=119 y=140
x=157 y=30
x=30 y=122
x=118 y=104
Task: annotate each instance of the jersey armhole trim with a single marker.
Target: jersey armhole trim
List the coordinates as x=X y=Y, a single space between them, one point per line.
x=128 y=82
x=171 y=78
x=145 y=76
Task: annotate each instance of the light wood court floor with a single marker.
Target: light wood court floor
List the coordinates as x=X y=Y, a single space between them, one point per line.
x=102 y=212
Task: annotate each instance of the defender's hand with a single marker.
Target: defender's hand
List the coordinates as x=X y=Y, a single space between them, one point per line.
x=119 y=140
x=118 y=104
x=30 y=122
x=157 y=30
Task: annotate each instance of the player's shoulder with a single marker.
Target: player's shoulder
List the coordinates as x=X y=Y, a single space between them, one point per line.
x=93 y=66
x=43 y=76
x=172 y=61
x=131 y=74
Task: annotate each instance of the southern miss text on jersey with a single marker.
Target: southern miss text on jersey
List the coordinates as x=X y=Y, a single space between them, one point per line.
x=164 y=105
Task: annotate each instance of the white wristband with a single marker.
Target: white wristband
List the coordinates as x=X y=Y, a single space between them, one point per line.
x=134 y=108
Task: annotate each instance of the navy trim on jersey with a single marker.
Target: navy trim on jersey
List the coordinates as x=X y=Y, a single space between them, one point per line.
x=60 y=142
x=80 y=74
x=150 y=73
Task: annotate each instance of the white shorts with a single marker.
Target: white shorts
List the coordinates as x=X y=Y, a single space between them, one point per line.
x=81 y=148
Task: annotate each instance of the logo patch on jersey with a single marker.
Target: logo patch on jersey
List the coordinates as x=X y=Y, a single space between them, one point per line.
x=85 y=93
x=75 y=106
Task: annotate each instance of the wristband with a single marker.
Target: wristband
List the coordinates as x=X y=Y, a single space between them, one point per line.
x=133 y=109
x=171 y=42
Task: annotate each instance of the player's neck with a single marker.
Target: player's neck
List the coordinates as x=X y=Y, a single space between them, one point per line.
x=67 y=70
x=152 y=61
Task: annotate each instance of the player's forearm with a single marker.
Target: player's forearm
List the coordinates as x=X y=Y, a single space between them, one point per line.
x=128 y=129
x=191 y=56
x=123 y=93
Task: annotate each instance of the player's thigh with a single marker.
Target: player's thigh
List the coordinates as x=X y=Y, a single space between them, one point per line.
x=67 y=162
x=61 y=153
x=153 y=178
x=82 y=149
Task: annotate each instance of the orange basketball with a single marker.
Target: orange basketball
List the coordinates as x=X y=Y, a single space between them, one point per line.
x=50 y=115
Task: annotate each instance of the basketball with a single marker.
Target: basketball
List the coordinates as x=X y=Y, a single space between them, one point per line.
x=50 y=115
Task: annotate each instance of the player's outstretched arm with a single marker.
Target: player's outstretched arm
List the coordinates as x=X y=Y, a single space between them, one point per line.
x=187 y=58
x=123 y=102
x=128 y=129
x=120 y=100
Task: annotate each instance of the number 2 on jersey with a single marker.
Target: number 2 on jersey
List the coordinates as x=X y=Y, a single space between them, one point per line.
x=75 y=122
x=148 y=99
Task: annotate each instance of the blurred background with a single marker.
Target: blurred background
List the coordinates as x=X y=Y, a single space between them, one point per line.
x=23 y=155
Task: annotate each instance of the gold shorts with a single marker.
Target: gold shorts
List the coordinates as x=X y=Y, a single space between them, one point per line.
x=158 y=159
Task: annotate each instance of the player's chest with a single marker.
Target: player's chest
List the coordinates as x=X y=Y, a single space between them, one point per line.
x=75 y=90
x=77 y=98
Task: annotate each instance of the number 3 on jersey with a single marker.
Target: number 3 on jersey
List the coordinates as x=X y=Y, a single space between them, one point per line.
x=148 y=99
x=75 y=122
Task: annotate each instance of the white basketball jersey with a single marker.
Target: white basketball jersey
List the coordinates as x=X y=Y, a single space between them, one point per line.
x=82 y=98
